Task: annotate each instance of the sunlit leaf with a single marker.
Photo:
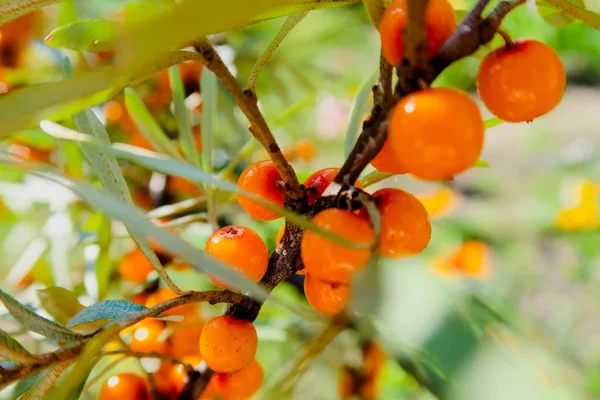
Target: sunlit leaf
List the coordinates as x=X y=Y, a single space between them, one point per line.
x=492 y=122
x=60 y=303
x=359 y=109
x=12 y=350
x=481 y=164
x=36 y=323
x=11 y=9
x=41 y=389
x=25 y=384
x=107 y=309
x=559 y=12
x=184 y=124
x=84 y=35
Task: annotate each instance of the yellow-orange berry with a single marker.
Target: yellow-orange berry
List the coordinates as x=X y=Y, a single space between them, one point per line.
x=135 y=267
x=387 y=161
x=405 y=225
x=523 y=82
x=242 y=385
x=440 y=24
x=242 y=249
x=125 y=386
x=261 y=179
x=326 y=297
x=228 y=344
x=184 y=342
x=179 y=376
x=328 y=261
x=305 y=149
x=436 y=133
x=146 y=336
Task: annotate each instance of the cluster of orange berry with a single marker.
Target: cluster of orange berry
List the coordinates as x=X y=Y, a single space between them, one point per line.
x=329 y=266
x=437 y=133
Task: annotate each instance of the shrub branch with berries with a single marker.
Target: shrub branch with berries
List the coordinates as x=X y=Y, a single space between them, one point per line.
x=334 y=228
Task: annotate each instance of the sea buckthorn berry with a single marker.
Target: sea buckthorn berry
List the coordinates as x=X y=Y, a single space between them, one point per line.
x=405 y=225
x=436 y=133
x=184 y=341
x=125 y=386
x=440 y=24
x=146 y=336
x=280 y=234
x=470 y=260
x=163 y=294
x=326 y=297
x=179 y=376
x=387 y=161
x=521 y=82
x=261 y=179
x=317 y=183
x=242 y=249
x=228 y=344
x=135 y=267
x=328 y=261
x=243 y=384
x=305 y=149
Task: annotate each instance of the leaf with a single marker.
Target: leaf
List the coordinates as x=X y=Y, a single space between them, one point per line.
x=573 y=8
x=35 y=323
x=481 y=164
x=60 y=303
x=186 y=138
x=27 y=383
x=41 y=389
x=23 y=108
x=11 y=9
x=375 y=9
x=12 y=350
x=492 y=122
x=85 y=35
x=107 y=309
x=209 y=114
x=359 y=109
x=148 y=125
x=163 y=164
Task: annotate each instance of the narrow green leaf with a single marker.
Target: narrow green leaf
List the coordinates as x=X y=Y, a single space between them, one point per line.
x=148 y=125
x=60 y=303
x=209 y=115
x=103 y=263
x=36 y=323
x=41 y=389
x=85 y=35
x=360 y=108
x=573 y=8
x=107 y=309
x=492 y=122
x=186 y=138
x=163 y=164
x=12 y=350
x=11 y=9
x=481 y=164
x=25 y=384
x=374 y=177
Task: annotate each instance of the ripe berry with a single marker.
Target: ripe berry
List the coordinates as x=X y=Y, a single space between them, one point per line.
x=405 y=225
x=261 y=179
x=318 y=182
x=386 y=160
x=242 y=385
x=305 y=149
x=179 y=376
x=146 y=336
x=440 y=22
x=163 y=294
x=242 y=249
x=125 y=386
x=523 y=82
x=184 y=341
x=436 y=133
x=326 y=297
x=469 y=260
x=135 y=267
x=328 y=261
x=228 y=344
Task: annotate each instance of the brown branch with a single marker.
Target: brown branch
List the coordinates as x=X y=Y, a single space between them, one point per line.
x=416 y=34
x=196 y=385
x=247 y=102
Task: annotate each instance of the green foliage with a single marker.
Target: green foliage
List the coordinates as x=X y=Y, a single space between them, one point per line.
x=87 y=35
x=107 y=309
x=60 y=303
x=12 y=350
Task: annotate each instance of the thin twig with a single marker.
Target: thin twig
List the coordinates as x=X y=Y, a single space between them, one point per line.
x=290 y=22
x=247 y=102
x=416 y=34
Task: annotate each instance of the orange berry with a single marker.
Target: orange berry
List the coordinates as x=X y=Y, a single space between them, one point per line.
x=113 y=111
x=405 y=225
x=471 y=260
x=242 y=385
x=179 y=185
x=523 y=82
x=242 y=249
x=325 y=297
x=326 y=260
x=162 y=378
x=261 y=179
x=125 y=386
x=145 y=336
x=386 y=160
x=440 y=22
x=436 y=133
x=184 y=342
x=139 y=298
x=228 y=344
x=163 y=294
x=179 y=376
x=280 y=234
x=317 y=183
x=305 y=149
x=135 y=267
